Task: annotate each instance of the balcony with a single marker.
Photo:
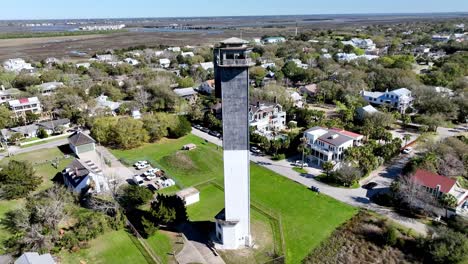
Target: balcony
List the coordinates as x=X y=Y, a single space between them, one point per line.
x=236 y=62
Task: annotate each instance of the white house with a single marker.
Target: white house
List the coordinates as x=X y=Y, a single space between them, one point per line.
x=267 y=118
x=81 y=143
x=17 y=65
x=84 y=176
x=174 y=49
x=189 y=195
x=207 y=65
x=165 y=63
x=300 y=64
x=7 y=94
x=136 y=114
x=399 y=99
x=271 y=40
x=351 y=56
x=187 y=54
x=188 y=94
x=440 y=38
x=24 y=105
x=103 y=102
x=297 y=99
x=158 y=53
x=49 y=88
x=131 y=61
x=366 y=44
x=329 y=145
x=85 y=65
x=105 y=58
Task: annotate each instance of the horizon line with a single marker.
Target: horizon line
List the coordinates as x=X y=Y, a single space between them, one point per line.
x=229 y=16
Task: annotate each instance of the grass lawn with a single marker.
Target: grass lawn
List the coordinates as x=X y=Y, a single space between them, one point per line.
x=41 y=142
x=112 y=247
x=164 y=245
x=6 y=206
x=186 y=167
x=307 y=218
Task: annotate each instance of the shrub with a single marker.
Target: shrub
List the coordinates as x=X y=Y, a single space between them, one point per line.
x=18 y=179
x=132 y=196
x=448 y=247
x=41 y=133
x=181 y=129
x=280 y=156
x=149 y=227
x=391 y=236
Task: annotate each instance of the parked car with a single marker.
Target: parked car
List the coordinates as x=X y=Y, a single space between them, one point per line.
x=370 y=185
x=196 y=126
x=255 y=150
x=299 y=163
x=407 y=150
x=204 y=129
x=214 y=133
x=138 y=180
x=314 y=189
x=152 y=188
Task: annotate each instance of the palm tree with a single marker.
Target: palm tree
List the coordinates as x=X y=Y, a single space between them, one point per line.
x=303 y=148
x=448 y=201
x=406 y=138
x=327 y=167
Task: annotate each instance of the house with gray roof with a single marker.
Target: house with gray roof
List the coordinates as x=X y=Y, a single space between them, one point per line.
x=8 y=94
x=399 y=99
x=81 y=143
x=329 y=145
x=49 y=88
x=188 y=94
x=364 y=111
x=84 y=176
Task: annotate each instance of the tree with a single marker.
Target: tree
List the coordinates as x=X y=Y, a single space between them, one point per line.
x=41 y=133
x=447 y=247
x=132 y=196
x=31 y=117
x=5 y=116
x=18 y=179
x=347 y=175
x=186 y=82
x=448 y=201
x=327 y=166
x=169 y=210
x=181 y=129
x=406 y=138
x=128 y=133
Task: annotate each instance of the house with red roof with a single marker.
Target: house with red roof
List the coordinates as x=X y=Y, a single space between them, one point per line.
x=329 y=144
x=439 y=185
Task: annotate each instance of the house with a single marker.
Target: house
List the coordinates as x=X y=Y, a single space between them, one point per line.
x=85 y=65
x=17 y=65
x=25 y=105
x=35 y=258
x=272 y=40
x=188 y=94
x=81 y=143
x=51 y=126
x=158 y=53
x=187 y=54
x=136 y=114
x=103 y=102
x=299 y=64
x=28 y=131
x=297 y=99
x=165 y=63
x=444 y=92
x=438 y=185
x=174 y=49
x=49 y=87
x=351 y=56
x=207 y=65
x=366 y=44
x=105 y=58
x=399 y=99
x=7 y=94
x=268 y=65
x=267 y=118
x=310 y=90
x=51 y=60
x=131 y=61
x=329 y=145
x=440 y=38
x=189 y=195
x=80 y=176
x=364 y=111
x=207 y=87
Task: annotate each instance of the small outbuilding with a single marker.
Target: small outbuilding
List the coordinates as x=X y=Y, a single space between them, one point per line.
x=190 y=146
x=81 y=143
x=189 y=195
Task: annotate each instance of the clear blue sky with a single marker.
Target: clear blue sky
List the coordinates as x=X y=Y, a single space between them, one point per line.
x=57 y=9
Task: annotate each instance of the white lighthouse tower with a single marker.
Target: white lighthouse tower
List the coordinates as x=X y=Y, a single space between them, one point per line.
x=232 y=85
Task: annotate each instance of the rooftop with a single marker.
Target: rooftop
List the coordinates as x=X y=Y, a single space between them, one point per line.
x=432 y=180
x=79 y=138
x=187 y=192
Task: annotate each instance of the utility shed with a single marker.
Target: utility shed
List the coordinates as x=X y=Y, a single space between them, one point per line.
x=81 y=143
x=35 y=258
x=189 y=195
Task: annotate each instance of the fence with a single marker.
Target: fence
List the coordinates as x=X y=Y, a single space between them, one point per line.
x=148 y=251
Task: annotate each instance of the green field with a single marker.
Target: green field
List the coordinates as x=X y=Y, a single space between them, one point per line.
x=112 y=247
x=307 y=218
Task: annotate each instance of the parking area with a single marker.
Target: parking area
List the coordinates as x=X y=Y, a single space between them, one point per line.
x=152 y=177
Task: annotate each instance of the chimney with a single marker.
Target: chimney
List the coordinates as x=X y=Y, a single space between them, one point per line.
x=3 y=87
x=276 y=100
x=258 y=103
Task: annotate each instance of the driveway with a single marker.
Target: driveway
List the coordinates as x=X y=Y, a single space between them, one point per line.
x=359 y=197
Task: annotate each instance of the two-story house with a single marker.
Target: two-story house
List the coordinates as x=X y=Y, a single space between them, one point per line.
x=399 y=99
x=329 y=144
x=267 y=118
x=24 y=105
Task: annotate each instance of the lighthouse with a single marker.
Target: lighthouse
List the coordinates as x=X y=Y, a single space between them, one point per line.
x=232 y=64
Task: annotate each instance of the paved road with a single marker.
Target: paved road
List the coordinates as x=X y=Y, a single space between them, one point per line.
x=17 y=150
x=356 y=197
